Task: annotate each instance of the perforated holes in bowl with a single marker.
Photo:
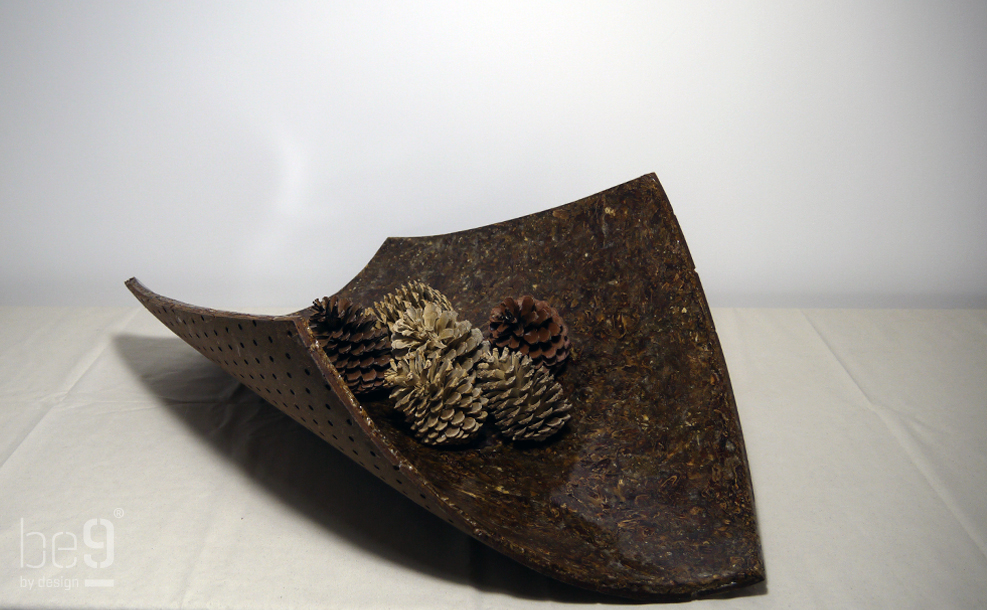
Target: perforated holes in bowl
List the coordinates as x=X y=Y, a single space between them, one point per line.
x=268 y=357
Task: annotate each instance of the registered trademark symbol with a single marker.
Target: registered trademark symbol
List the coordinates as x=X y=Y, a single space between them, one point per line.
x=117 y=512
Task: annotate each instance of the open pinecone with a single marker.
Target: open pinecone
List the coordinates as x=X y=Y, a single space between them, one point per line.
x=356 y=347
x=414 y=294
x=439 y=400
x=524 y=399
x=437 y=332
x=531 y=327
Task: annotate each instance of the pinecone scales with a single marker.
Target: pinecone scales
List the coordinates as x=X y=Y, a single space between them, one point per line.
x=531 y=327
x=524 y=400
x=438 y=333
x=414 y=295
x=358 y=349
x=439 y=400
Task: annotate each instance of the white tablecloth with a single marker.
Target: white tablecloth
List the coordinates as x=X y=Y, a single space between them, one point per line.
x=866 y=432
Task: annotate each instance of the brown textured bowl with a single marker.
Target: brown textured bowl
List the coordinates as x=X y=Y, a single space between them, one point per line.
x=645 y=494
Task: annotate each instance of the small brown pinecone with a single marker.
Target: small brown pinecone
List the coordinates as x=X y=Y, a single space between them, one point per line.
x=356 y=347
x=438 y=399
x=531 y=327
x=525 y=401
x=437 y=332
x=414 y=294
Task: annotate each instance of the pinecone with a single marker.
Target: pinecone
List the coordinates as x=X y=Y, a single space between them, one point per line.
x=436 y=332
x=524 y=399
x=531 y=327
x=356 y=347
x=439 y=399
x=414 y=294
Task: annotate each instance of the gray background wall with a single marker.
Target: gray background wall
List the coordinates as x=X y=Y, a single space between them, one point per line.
x=817 y=153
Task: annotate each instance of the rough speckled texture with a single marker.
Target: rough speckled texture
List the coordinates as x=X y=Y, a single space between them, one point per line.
x=646 y=492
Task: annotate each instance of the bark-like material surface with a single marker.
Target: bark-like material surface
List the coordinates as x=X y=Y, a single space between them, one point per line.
x=645 y=493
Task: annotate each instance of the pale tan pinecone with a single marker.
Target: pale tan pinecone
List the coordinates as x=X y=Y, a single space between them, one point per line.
x=357 y=348
x=524 y=400
x=437 y=332
x=438 y=399
x=531 y=327
x=414 y=294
